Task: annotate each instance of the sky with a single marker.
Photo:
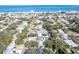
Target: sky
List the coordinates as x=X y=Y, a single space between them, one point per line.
x=38 y=2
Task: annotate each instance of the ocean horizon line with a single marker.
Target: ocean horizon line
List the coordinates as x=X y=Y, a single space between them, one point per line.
x=38 y=8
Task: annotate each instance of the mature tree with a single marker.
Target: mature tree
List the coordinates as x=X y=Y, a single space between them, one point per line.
x=47 y=26
x=4 y=41
x=33 y=44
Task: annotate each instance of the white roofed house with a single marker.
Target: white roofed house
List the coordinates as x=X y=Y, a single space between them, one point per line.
x=20 y=28
x=25 y=23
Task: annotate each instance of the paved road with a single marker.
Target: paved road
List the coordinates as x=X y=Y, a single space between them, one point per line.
x=67 y=39
x=41 y=40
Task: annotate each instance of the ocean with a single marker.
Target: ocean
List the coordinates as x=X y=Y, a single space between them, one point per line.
x=26 y=8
